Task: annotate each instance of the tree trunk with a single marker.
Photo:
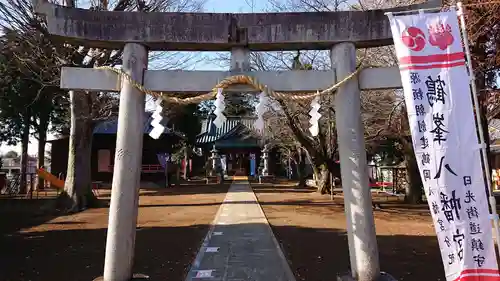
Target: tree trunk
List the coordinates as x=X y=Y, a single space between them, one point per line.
x=323 y=180
x=294 y=166
x=186 y=159
x=483 y=103
x=301 y=167
x=414 y=188
x=77 y=193
x=42 y=140
x=316 y=171
x=25 y=138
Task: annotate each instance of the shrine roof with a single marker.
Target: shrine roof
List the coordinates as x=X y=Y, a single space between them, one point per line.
x=237 y=127
x=110 y=127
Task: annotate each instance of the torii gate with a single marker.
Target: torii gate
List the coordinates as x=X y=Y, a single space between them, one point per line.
x=138 y=33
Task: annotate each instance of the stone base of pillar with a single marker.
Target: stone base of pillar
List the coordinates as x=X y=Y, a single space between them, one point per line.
x=383 y=277
x=135 y=277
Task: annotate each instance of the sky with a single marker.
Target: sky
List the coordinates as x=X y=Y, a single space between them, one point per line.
x=228 y=6
x=214 y=6
x=234 y=6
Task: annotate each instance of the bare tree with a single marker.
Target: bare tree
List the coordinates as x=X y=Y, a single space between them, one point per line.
x=383 y=111
x=483 y=28
x=87 y=108
x=290 y=121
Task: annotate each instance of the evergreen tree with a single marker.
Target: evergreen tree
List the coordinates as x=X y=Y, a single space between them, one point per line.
x=237 y=104
x=240 y=104
x=28 y=100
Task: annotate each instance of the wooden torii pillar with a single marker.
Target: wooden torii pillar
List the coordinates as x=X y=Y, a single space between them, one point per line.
x=340 y=32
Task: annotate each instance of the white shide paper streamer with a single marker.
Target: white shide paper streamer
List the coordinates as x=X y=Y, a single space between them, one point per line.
x=158 y=128
x=315 y=116
x=260 y=109
x=219 y=109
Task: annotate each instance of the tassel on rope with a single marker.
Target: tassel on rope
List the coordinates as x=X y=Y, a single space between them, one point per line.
x=261 y=108
x=158 y=128
x=315 y=116
x=219 y=109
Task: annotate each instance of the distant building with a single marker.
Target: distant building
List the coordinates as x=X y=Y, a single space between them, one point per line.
x=494 y=132
x=235 y=140
x=12 y=166
x=103 y=151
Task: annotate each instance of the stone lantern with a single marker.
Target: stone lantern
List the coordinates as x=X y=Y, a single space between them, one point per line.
x=215 y=159
x=265 y=158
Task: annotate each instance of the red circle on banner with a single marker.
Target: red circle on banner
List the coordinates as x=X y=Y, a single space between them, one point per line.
x=413 y=38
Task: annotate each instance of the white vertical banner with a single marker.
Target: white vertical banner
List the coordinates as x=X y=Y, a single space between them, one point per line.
x=440 y=110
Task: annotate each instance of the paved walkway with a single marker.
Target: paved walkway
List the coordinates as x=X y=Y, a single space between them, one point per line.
x=240 y=246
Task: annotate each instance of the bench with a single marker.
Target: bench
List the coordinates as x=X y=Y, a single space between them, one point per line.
x=267 y=179
x=95 y=187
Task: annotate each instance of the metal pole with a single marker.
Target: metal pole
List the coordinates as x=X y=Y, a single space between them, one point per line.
x=487 y=172
x=122 y=224
x=330 y=175
x=362 y=239
x=330 y=178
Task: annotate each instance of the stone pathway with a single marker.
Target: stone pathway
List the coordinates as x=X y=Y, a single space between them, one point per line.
x=240 y=245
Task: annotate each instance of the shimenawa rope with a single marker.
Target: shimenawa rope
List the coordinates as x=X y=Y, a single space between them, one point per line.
x=225 y=83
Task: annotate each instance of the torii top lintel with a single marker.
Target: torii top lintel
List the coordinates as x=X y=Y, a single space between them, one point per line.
x=221 y=31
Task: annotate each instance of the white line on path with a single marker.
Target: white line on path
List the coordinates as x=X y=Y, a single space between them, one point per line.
x=212 y=249
x=204 y=273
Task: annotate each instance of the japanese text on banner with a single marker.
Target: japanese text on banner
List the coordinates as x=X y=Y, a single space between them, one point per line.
x=439 y=104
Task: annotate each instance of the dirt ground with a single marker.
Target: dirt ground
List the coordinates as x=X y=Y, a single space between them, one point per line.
x=35 y=245
x=43 y=247
x=312 y=232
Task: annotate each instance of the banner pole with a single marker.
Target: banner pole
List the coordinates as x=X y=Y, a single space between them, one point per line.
x=486 y=168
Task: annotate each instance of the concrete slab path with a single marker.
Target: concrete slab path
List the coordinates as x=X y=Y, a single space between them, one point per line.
x=240 y=246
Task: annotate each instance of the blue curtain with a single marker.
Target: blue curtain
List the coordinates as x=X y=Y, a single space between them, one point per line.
x=252 y=165
x=162 y=158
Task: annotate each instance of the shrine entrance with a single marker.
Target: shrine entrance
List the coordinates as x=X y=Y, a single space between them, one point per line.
x=235 y=143
x=237 y=162
x=341 y=33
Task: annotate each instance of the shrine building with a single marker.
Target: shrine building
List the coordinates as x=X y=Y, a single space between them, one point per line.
x=235 y=141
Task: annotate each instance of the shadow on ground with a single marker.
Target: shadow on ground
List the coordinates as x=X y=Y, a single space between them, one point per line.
x=46 y=246
x=310 y=197
x=16 y=213
x=186 y=189
x=20 y=213
x=211 y=188
x=166 y=253
x=311 y=230
x=291 y=203
x=317 y=254
x=162 y=253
